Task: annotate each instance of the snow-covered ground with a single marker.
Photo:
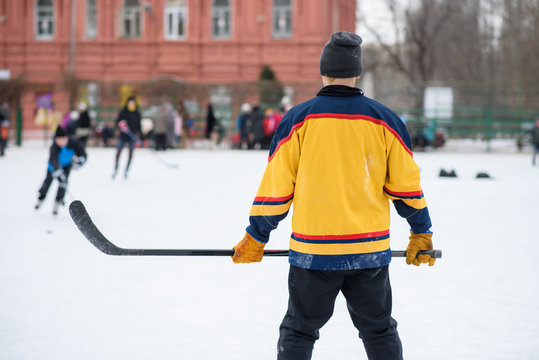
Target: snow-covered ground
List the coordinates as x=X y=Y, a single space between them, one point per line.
x=60 y=298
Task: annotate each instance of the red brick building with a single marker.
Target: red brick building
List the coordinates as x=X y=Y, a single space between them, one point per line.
x=100 y=50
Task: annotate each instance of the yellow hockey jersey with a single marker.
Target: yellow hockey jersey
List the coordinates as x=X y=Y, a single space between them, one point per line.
x=339 y=158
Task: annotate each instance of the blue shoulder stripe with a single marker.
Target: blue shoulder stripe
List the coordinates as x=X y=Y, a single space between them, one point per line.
x=356 y=106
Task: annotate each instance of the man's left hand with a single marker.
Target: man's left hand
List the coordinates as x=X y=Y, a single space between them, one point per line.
x=248 y=250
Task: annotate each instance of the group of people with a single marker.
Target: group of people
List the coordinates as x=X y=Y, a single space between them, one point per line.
x=257 y=126
x=68 y=152
x=167 y=126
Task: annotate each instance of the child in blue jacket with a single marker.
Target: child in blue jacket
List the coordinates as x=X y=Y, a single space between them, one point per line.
x=65 y=154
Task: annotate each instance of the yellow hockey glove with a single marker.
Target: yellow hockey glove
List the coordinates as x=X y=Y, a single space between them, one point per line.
x=419 y=242
x=248 y=250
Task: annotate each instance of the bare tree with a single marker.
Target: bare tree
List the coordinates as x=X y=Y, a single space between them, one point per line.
x=517 y=51
x=459 y=47
x=417 y=30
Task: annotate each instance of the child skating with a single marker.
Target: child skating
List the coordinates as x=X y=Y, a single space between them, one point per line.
x=65 y=154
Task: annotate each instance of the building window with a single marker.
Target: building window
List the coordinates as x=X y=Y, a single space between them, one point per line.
x=175 y=19
x=91 y=19
x=282 y=18
x=44 y=18
x=221 y=24
x=132 y=18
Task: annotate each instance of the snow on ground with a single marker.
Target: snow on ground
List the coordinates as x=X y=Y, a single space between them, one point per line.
x=60 y=298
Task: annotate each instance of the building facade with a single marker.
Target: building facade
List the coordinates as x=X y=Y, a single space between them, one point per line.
x=100 y=50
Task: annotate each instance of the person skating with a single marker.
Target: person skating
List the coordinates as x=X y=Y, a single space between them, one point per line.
x=128 y=122
x=535 y=141
x=65 y=154
x=84 y=124
x=340 y=157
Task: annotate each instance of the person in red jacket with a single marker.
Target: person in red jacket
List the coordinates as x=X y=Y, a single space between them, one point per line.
x=4 y=126
x=340 y=157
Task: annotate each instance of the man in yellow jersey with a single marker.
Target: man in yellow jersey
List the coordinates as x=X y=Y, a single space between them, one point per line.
x=340 y=157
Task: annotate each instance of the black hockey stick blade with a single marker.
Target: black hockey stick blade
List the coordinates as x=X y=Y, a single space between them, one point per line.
x=82 y=219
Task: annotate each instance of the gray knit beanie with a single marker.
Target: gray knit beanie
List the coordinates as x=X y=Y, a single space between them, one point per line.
x=341 y=56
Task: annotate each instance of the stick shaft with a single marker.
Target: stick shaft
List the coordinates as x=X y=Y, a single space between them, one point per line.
x=189 y=252
x=225 y=252
x=87 y=227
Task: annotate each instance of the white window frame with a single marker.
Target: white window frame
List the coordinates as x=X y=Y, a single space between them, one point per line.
x=282 y=13
x=38 y=20
x=91 y=10
x=130 y=12
x=220 y=12
x=177 y=12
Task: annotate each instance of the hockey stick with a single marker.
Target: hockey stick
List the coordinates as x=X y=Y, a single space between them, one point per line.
x=87 y=227
x=69 y=195
x=152 y=150
x=166 y=164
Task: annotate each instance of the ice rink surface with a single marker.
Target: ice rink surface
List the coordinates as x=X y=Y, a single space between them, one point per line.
x=60 y=298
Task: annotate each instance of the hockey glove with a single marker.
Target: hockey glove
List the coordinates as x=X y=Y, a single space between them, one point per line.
x=59 y=174
x=419 y=242
x=78 y=161
x=248 y=250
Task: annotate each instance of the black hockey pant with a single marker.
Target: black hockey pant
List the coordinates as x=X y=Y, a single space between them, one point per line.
x=62 y=186
x=311 y=302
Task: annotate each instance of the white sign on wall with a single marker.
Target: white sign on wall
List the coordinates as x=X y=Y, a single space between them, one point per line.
x=438 y=102
x=5 y=74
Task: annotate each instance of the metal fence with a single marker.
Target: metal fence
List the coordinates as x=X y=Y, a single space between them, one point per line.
x=485 y=124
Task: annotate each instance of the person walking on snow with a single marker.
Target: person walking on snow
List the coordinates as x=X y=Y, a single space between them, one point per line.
x=65 y=154
x=184 y=115
x=340 y=157
x=243 y=124
x=535 y=140
x=212 y=127
x=128 y=121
